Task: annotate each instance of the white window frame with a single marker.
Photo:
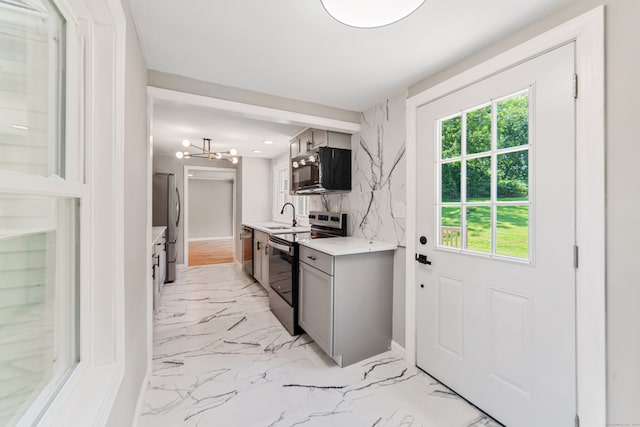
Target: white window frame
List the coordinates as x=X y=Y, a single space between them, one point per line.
x=300 y=202
x=587 y=31
x=493 y=153
x=94 y=150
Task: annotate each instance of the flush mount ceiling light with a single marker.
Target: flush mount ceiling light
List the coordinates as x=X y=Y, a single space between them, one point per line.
x=268 y=142
x=205 y=151
x=370 y=13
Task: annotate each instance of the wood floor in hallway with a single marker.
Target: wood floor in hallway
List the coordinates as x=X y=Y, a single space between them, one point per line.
x=205 y=252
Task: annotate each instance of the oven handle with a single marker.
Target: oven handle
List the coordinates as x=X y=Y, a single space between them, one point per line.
x=278 y=246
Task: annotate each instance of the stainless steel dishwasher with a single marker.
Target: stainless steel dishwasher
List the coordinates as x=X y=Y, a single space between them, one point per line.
x=247 y=250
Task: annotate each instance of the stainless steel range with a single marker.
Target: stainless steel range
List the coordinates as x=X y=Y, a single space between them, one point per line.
x=283 y=265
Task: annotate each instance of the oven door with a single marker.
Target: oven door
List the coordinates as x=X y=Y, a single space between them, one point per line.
x=281 y=268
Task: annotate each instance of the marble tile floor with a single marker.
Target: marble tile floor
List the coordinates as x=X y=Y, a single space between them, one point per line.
x=222 y=359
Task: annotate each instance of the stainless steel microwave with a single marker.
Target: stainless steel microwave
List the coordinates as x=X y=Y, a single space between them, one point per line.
x=327 y=170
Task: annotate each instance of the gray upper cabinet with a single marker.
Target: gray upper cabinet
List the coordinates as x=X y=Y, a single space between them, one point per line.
x=305 y=141
x=294 y=145
x=310 y=140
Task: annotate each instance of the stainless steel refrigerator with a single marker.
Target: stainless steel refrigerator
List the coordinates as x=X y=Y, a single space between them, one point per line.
x=166 y=212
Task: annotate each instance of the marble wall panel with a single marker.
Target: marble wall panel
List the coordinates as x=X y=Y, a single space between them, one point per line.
x=378 y=176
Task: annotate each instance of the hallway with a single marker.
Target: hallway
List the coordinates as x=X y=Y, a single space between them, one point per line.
x=222 y=359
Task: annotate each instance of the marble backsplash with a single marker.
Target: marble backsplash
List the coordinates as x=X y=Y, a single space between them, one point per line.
x=378 y=176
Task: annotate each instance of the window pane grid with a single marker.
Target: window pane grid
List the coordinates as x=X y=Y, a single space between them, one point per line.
x=488 y=211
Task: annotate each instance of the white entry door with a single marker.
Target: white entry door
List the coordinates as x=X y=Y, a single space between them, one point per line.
x=496 y=219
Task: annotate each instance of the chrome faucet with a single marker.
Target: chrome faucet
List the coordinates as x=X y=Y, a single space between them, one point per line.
x=294 y=212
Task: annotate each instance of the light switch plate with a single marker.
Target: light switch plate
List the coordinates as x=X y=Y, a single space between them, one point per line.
x=399 y=210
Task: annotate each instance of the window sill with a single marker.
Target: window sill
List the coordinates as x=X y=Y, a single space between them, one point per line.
x=87 y=397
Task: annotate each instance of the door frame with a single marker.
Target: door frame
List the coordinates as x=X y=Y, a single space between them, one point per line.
x=185 y=203
x=587 y=31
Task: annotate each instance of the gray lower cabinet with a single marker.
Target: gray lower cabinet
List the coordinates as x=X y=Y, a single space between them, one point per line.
x=316 y=306
x=261 y=258
x=345 y=303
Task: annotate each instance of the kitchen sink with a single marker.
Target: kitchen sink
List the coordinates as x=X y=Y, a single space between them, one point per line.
x=279 y=227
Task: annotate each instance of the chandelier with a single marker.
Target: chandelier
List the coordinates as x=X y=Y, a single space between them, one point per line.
x=370 y=13
x=206 y=152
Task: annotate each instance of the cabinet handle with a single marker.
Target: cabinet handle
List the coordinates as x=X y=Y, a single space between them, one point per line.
x=157 y=262
x=312 y=258
x=258 y=243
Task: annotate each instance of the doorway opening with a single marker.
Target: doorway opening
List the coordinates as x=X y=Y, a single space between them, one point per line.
x=209 y=226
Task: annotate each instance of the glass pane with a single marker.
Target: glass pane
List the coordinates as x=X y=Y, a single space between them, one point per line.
x=450 y=182
x=512 y=232
x=38 y=299
x=32 y=75
x=513 y=121
x=301 y=205
x=479 y=228
x=450 y=227
x=479 y=130
x=513 y=176
x=451 y=137
x=479 y=179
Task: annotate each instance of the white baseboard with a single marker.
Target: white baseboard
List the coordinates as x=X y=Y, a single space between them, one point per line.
x=142 y=396
x=398 y=349
x=202 y=239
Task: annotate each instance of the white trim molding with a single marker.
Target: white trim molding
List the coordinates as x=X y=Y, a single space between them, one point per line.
x=398 y=349
x=96 y=31
x=185 y=201
x=587 y=31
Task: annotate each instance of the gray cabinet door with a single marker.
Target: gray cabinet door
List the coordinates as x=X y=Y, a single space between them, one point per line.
x=316 y=306
x=258 y=249
x=261 y=258
x=265 y=265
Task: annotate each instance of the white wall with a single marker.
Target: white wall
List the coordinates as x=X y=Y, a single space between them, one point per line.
x=136 y=264
x=210 y=208
x=171 y=164
x=622 y=33
x=256 y=189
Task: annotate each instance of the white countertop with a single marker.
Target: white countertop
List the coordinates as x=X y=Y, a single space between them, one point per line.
x=271 y=227
x=156 y=232
x=337 y=246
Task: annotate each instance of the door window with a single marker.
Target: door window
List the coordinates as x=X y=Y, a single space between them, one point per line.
x=483 y=171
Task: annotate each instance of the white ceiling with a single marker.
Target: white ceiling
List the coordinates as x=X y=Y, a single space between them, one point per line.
x=173 y=122
x=292 y=48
